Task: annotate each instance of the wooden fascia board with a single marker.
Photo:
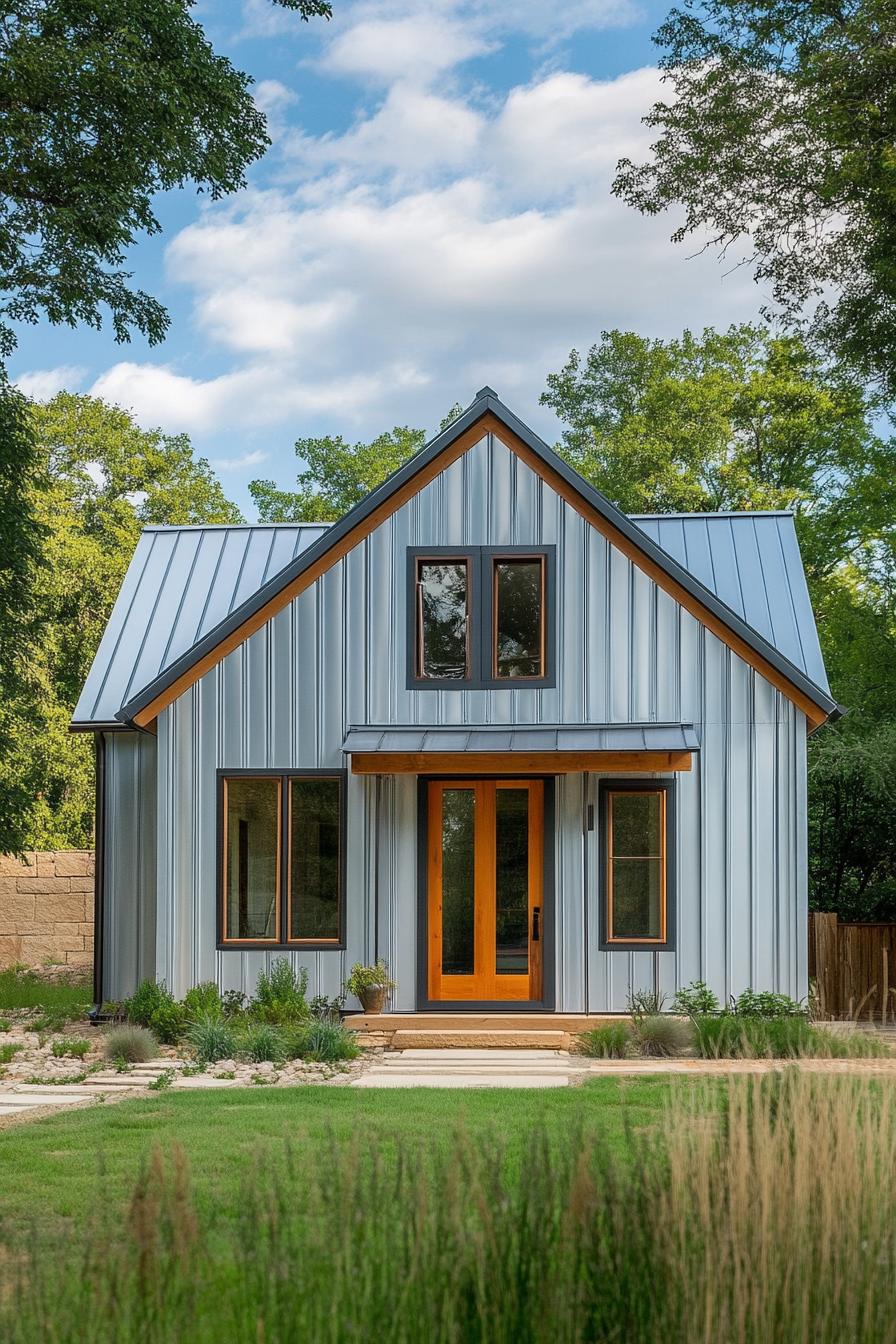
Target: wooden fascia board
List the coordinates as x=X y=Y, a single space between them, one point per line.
x=488 y=423
x=516 y=762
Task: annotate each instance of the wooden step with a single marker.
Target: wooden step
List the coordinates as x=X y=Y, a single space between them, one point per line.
x=472 y=1038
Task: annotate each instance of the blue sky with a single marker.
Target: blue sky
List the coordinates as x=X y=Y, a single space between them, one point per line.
x=434 y=214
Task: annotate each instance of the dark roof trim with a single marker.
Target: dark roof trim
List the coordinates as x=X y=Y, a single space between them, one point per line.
x=486 y=401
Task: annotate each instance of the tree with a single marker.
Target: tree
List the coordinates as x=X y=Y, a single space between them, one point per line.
x=780 y=135
x=337 y=475
x=734 y=420
x=103 y=105
x=746 y=420
x=104 y=478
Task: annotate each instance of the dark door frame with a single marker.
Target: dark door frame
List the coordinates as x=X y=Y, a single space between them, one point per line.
x=546 y=1003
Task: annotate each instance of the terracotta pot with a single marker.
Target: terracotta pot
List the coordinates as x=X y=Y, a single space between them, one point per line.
x=373 y=999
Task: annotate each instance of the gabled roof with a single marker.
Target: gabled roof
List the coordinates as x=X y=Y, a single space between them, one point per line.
x=180 y=663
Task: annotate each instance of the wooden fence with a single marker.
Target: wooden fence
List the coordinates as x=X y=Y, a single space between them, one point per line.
x=854 y=968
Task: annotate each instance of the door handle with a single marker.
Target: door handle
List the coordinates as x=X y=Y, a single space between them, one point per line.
x=536 y=921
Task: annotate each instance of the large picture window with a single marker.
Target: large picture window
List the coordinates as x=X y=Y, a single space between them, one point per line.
x=480 y=617
x=635 y=861
x=282 y=848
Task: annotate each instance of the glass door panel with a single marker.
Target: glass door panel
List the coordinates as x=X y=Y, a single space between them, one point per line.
x=484 y=873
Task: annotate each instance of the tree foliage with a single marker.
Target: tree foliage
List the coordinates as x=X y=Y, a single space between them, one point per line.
x=746 y=420
x=336 y=476
x=779 y=138
x=102 y=479
x=103 y=105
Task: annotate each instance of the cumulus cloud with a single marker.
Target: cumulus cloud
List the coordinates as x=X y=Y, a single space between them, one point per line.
x=414 y=46
x=43 y=384
x=251 y=459
x=439 y=243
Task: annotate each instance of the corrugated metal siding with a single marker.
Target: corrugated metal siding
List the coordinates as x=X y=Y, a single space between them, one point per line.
x=130 y=871
x=627 y=653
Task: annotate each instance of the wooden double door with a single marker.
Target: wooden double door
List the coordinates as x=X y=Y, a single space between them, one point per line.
x=485 y=874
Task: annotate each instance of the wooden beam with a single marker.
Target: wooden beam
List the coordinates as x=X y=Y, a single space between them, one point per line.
x=472 y=763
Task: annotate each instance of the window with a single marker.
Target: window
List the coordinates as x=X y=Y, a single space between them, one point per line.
x=480 y=617
x=443 y=619
x=635 y=878
x=282 y=859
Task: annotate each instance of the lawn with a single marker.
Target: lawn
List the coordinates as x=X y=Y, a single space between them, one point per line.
x=61 y=1163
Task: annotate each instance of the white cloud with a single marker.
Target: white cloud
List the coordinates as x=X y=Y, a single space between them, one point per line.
x=274 y=100
x=415 y=47
x=43 y=384
x=396 y=273
x=252 y=459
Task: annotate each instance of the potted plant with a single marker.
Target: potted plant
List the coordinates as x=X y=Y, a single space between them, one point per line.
x=370 y=984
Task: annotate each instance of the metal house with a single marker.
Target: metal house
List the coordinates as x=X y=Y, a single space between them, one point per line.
x=533 y=752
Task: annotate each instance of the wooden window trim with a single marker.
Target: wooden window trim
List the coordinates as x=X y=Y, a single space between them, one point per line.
x=421 y=559
x=608 y=790
x=539 y=558
x=282 y=943
x=225 y=939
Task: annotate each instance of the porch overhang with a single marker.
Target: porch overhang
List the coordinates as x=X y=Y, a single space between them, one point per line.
x=628 y=748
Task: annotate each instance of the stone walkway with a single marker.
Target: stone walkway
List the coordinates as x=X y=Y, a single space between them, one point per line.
x=556 y=1068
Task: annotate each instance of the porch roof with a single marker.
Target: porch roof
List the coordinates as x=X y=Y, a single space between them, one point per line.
x=417 y=748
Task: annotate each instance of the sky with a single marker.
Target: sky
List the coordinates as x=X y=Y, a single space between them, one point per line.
x=434 y=215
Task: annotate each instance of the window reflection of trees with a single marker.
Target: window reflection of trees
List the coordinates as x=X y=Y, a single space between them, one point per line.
x=443 y=590
x=519 y=618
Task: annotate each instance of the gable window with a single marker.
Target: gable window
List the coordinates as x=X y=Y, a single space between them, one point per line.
x=281 y=859
x=518 y=617
x=443 y=619
x=479 y=617
x=635 y=849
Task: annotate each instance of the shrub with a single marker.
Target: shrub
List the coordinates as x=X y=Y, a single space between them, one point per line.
x=9 y=1051
x=696 y=999
x=212 y=1039
x=661 y=1036
x=262 y=1042
x=280 y=994
x=203 y=1000
x=5 y=1024
x=74 y=1049
x=327 y=1010
x=153 y=1006
x=645 y=1002
x=324 y=1042
x=612 y=1041
x=764 y=1003
x=132 y=1044
x=233 y=1002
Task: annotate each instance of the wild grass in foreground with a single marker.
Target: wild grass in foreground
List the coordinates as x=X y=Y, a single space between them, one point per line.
x=770 y=1221
x=26 y=989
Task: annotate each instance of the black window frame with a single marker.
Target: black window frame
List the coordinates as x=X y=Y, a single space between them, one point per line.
x=605 y=788
x=482 y=615
x=283 y=943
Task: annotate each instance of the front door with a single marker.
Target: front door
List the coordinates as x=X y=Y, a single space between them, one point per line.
x=485 y=866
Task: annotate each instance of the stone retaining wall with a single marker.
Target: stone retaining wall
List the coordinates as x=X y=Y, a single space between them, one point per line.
x=46 y=908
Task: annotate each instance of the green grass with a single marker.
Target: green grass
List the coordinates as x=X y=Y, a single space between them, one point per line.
x=24 y=989
x=62 y=1162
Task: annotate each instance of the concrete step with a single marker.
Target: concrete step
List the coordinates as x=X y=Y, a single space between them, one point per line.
x=493 y=1055
x=417 y=1038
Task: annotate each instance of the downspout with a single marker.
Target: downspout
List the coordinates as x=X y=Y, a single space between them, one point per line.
x=99 y=873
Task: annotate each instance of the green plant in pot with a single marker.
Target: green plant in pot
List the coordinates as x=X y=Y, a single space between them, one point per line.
x=370 y=984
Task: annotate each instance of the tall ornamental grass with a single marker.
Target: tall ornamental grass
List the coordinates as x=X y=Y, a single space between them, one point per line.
x=760 y=1211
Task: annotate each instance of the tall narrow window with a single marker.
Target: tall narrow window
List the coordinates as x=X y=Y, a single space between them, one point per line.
x=636 y=866
x=519 y=592
x=443 y=625
x=251 y=859
x=314 y=859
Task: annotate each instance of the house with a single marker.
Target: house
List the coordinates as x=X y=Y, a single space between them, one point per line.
x=531 y=751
